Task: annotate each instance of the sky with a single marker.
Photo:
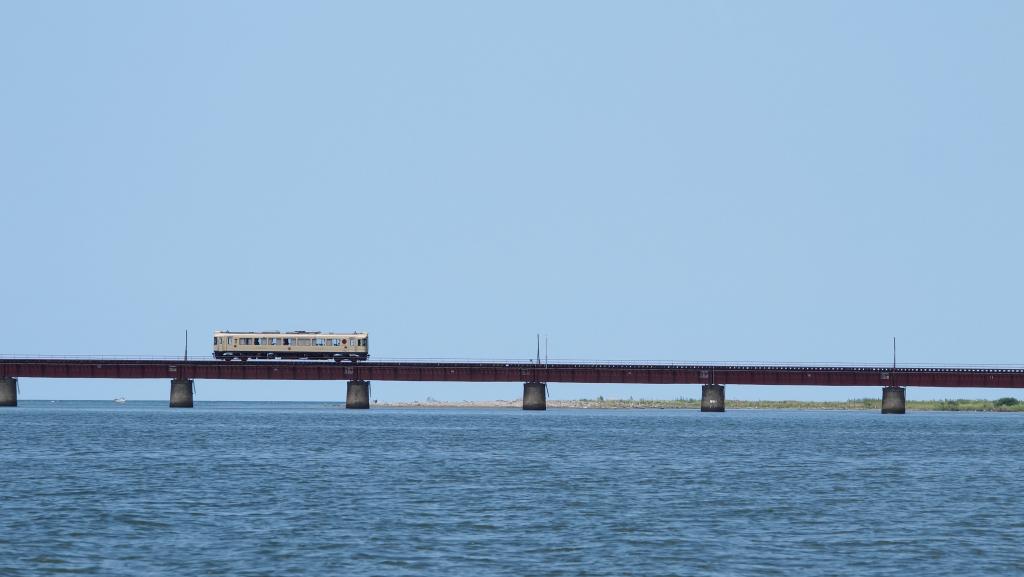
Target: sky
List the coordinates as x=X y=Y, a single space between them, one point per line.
x=691 y=181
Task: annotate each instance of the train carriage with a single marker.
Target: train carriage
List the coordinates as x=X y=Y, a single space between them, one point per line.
x=230 y=345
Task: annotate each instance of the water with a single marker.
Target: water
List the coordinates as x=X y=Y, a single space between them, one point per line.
x=258 y=489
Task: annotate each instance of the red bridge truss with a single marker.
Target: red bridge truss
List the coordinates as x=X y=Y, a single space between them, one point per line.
x=515 y=372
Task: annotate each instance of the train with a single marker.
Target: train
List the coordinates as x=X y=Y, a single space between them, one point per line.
x=229 y=345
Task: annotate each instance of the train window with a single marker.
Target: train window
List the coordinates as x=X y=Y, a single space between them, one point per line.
x=319 y=342
x=257 y=341
x=287 y=341
x=303 y=342
x=335 y=342
x=273 y=340
x=230 y=339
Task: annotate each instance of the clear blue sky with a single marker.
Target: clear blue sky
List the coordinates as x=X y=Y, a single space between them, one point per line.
x=784 y=181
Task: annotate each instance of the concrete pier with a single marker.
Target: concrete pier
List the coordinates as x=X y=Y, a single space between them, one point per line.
x=894 y=400
x=712 y=398
x=535 y=397
x=181 y=393
x=8 y=392
x=358 y=395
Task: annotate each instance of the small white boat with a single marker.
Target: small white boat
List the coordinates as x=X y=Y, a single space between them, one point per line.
x=120 y=400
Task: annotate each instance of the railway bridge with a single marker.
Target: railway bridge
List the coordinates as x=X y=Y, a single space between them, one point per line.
x=534 y=376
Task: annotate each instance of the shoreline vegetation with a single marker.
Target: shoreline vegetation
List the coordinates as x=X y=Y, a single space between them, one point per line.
x=1005 y=404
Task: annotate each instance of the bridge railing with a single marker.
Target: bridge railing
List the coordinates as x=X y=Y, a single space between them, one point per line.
x=557 y=361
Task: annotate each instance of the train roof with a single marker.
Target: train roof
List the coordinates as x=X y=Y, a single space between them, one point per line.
x=287 y=333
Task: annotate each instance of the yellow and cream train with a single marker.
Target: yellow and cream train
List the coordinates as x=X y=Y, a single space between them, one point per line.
x=229 y=345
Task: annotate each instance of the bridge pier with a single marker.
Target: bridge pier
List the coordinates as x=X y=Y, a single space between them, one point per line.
x=8 y=392
x=894 y=400
x=358 y=395
x=181 y=393
x=712 y=398
x=535 y=397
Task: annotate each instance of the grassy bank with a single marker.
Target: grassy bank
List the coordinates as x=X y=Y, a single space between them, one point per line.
x=1007 y=404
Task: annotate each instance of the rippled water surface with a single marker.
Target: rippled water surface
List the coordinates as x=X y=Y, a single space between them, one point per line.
x=260 y=489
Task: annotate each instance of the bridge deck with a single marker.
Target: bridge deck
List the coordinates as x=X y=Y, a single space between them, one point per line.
x=514 y=372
